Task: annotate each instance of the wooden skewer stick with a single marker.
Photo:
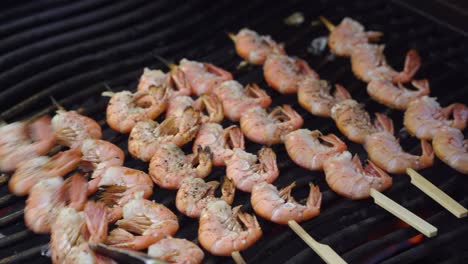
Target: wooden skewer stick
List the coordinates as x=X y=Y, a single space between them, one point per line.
x=56 y=104
x=324 y=251
x=232 y=36
x=237 y=257
x=169 y=64
x=437 y=194
x=327 y=23
x=404 y=214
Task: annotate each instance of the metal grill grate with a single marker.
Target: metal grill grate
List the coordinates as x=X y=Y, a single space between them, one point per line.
x=70 y=49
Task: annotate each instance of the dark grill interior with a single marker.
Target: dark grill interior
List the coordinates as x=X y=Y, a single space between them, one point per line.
x=71 y=50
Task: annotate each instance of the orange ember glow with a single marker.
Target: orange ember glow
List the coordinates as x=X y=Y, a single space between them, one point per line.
x=416 y=239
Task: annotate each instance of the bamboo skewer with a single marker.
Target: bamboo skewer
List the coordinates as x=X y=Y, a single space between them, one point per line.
x=436 y=194
x=237 y=257
x=327 y=23
x=324 y=251
x=404 y=214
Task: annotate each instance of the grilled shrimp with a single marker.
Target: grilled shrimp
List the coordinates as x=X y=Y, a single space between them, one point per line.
x=206 y=102
x=346 y=176
x=347 y=35
x=23 y=141
x=72 y=231
x=396 y=96
x=283 y=73
x=200 y=77
x=237 y=99
x=169 y=165
x=385 y=151
x=315 y=96
x=148 y=134
x=280 y=207
x=424 y=116
x=223 y=231
x=71 y=128
x=118 y=185
x=310 y=149
x=48 y=196
x=368 y=63
x=255 y=48
x=221 y=142
x=157 y=79
x=246 y=169
x=30 y=172
x=176 y=250
x=194 y=194
x=450 y=147
x=352 y=120
x=144 y=223
x=269 y=128
x=98 y=155
x=125 y=108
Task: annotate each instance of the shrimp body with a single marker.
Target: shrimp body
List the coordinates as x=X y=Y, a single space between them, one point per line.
x=220 y=141
x=30 y=172
x=223 y=231
x=347 y=177
x=148 y=134
x=153 y=78
x=424 y=116
x=347 y=35
x=269 y=128
x=176 y=250
x=208 y=102
x=125 y=108
x=194 y=194
x=246 y=170
x=144 y=223
x=201 y=77
x=451 y=148
x=305 y=148
x=118 y=185
x=23 y=141
x=283 y=73
x=255 y=48
x=98 y=155
x=71 y=128
x=280 y=207
x=352 y=120
x=368 y=63
x=315 y=96
x=237 y=99
x=48 y=196
x=386 y=152
x=169 y=165
x=396 y=96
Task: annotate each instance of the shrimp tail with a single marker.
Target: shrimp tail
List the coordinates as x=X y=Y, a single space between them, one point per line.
x=314 y=200
x=228 y=190
x=412 y=65
x=460 y=116
x=285 y=193
x=384 y=123
x=304 y=66
x=267 y=159
x=212 y=105
x=373 y=169
x=335 y=141
x=427 y=158
x=96 y=221
x=76 y=188
x=205 y=157
x=422 y=86
x=374 y=35
x=233 y=135
x=341 y=93
x=261 y=96
x=218 y=71
x=180 y=80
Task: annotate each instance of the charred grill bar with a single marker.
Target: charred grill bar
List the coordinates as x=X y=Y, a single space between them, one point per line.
x=70 y=50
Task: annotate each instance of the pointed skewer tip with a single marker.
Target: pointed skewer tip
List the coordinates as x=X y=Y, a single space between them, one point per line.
x=56 y=104
x=232 y=36
x=327 y=23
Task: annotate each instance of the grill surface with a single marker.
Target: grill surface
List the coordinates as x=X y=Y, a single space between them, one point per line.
x=69 y=50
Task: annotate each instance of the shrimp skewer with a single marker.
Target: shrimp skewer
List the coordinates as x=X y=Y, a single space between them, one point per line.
x=176 y=250
x=315 y=96
x=220 y=141
x=450 y=147
x=237 y=99
x=424 y=116
x=223 y=230
x=169 y=165
x=255 y=48
x=284 y=73
x=246 y=169
x=194 y=194
x=71 y=128
x=22 y=141
x=269 y=128
x=150 y=222
x=280 y=207
x=396 y=96
x=311 y=149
